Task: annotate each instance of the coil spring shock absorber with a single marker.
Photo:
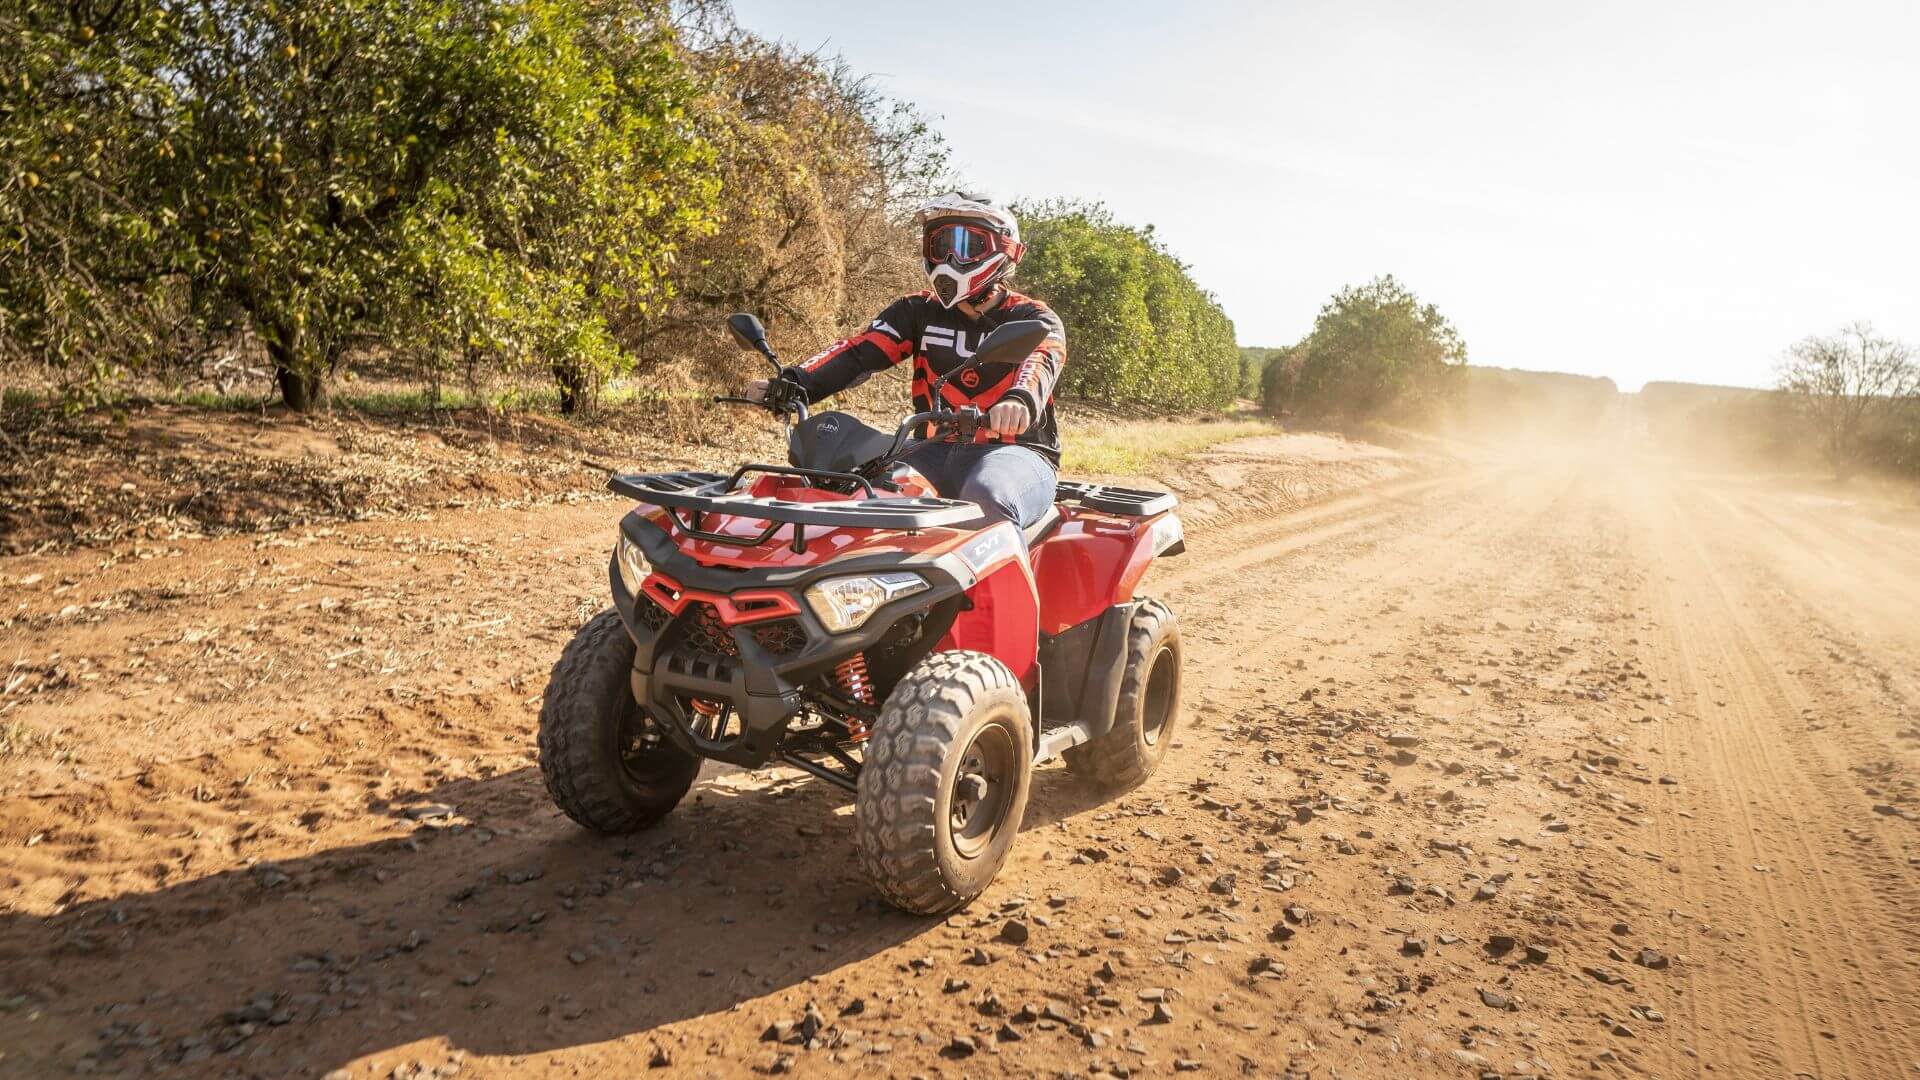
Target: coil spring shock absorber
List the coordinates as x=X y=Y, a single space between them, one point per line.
x=712 y=715
x=854 y=683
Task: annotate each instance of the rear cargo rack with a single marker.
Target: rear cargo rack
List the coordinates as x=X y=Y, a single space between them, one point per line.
x=711 y=493
x=1127 y=502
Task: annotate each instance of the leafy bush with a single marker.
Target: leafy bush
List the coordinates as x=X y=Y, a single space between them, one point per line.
x=1139 y=331
x=1375 y=351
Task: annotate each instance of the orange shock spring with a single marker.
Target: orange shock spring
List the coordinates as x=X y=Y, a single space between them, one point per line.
x=852 y=675
x=710 y=713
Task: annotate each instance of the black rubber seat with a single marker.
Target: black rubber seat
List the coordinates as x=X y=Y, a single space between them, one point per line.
x=836 y=442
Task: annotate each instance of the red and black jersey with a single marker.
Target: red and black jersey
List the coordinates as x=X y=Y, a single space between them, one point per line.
x=940 y=339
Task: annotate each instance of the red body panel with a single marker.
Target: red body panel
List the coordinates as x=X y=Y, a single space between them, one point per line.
x=1005 y=613
x=1088 y=563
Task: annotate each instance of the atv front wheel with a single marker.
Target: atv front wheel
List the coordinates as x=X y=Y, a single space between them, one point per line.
x=944 y=783
x=606 y=763
x=1143 y=719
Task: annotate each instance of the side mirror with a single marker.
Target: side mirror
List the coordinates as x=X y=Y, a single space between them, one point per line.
x=750 y=334
x=1010 y=343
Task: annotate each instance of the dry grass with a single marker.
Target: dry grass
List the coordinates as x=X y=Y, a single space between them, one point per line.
x=1129 y=447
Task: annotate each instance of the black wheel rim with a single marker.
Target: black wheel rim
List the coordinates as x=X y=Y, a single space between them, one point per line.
x=640 y=746
x=1156 y=705
x=982 y=790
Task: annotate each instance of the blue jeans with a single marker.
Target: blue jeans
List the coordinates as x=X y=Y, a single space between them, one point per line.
x=1010 y=483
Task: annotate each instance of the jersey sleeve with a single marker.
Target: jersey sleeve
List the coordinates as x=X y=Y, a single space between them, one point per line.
x=886 y=341
x=1034 y=380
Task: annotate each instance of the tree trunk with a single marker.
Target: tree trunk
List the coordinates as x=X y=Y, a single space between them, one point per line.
x=573 y=387
x=301 y=391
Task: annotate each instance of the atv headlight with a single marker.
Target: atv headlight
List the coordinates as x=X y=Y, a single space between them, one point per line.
x=846 y=603
x=633 y=564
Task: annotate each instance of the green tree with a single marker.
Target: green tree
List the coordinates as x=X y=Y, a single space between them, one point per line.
x=578 y=226
x=1374 y=350
x=470 y=177
x=1277 y=376
x=1139 y=330
x=80 y=245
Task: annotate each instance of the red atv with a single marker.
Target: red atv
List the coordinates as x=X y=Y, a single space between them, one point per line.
x=835 y=614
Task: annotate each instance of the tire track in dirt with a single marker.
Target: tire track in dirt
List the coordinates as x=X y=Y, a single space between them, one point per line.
x=1695 y=662
x=1329 y=592
x=1851 y=564
x=1728 y=673
x=1247 y=544
x=1853 y=744
x=1698 y=656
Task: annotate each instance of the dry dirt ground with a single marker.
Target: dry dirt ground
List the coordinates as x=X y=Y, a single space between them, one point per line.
x=157 y=472
x=1561 y=768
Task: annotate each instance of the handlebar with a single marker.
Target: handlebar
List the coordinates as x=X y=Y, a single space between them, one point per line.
x=966 y=422
x=784 y=399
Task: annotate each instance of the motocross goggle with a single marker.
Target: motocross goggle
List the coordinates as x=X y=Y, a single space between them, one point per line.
x=957 y=243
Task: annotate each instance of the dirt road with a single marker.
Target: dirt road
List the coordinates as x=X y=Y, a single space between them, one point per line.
x=1513 y=770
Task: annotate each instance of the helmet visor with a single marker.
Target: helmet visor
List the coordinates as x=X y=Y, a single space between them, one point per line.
x=960 y=244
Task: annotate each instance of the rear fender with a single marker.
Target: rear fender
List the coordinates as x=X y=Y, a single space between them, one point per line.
x=1094 y=561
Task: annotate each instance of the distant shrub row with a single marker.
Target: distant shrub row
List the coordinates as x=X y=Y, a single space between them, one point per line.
x=1140 y=332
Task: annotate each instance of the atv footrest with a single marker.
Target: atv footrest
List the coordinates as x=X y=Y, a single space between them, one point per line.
x=1055 y=741
x=1129 y=502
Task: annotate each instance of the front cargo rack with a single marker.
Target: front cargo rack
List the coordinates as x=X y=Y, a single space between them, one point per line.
x=700 y=493
x=1127 y=502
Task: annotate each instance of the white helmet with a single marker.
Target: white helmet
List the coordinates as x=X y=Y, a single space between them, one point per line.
x=967 y=244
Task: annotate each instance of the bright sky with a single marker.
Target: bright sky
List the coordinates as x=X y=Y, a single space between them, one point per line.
x=1645 y=190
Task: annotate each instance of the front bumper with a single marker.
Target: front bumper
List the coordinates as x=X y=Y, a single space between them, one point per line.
x=759 y=665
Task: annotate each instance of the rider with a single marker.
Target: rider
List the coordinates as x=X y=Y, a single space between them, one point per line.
x=968 y=245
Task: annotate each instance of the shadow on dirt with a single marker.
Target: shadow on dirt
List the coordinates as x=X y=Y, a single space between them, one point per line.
x=494 y=924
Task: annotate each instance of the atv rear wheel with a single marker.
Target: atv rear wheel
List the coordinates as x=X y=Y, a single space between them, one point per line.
x=1143 y=719
x=944 y=783
x=606 y=763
